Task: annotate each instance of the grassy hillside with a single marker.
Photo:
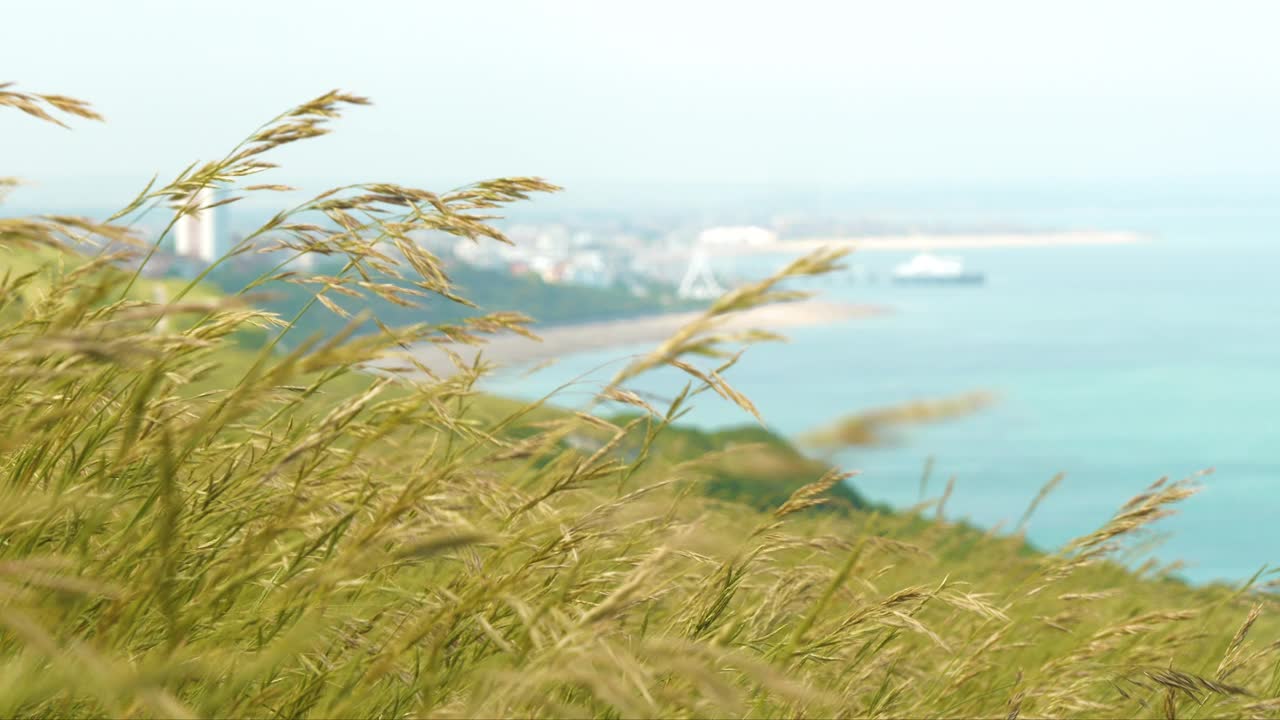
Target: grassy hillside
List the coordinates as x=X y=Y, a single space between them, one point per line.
x=190 y=530
x=748 y=465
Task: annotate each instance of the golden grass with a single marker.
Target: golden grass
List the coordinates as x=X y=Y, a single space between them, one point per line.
x=190 y=532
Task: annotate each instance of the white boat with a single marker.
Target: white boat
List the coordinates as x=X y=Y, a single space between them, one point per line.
x=927 y=268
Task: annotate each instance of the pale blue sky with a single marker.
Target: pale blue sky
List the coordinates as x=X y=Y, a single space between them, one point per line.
x=796 y=92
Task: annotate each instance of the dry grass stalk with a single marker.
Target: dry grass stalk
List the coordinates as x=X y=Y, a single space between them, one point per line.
x=187 y=529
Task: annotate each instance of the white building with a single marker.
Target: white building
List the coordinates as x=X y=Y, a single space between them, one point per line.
x=589 y=267
x=553 y=241
x=743 y=235
x=194 y=233
x=481 y=255
x=699 y=282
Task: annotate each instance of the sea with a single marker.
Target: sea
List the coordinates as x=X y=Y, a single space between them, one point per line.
x=1115 y=365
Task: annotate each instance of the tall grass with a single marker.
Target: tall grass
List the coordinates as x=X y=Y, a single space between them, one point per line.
x=190 y=531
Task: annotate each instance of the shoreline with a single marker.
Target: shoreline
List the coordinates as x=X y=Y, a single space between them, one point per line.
x=558 y=341
x=917 y=243
x=511 y=350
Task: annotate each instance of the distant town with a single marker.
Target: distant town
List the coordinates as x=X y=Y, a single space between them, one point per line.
x=586 y=250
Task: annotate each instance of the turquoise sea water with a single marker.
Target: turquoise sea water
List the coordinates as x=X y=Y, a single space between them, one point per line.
x=1116 y=365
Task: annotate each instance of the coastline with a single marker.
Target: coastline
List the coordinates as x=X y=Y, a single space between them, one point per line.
x=511 y=350
x=558 y=341
x=917 y=243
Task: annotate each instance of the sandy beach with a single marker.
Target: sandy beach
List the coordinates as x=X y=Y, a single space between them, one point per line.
x=916 y=243
x=514 y=350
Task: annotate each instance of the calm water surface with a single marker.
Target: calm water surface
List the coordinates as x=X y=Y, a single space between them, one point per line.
x=1115 y=365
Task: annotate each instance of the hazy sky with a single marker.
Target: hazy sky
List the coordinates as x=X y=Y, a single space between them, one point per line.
x=713 y=91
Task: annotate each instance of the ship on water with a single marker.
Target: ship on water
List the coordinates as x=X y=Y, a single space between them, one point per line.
x=930 y=269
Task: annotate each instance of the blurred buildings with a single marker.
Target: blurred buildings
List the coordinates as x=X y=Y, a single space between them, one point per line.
x=737 y=235
x=195 y=235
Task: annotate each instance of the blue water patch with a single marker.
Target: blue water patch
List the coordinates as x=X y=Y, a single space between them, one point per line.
x=1114 y=364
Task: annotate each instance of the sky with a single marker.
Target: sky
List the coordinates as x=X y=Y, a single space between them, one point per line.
x=659 y=92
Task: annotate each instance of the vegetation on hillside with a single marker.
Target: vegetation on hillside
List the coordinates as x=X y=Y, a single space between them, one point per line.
x=187 y=530
x=488 y=290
